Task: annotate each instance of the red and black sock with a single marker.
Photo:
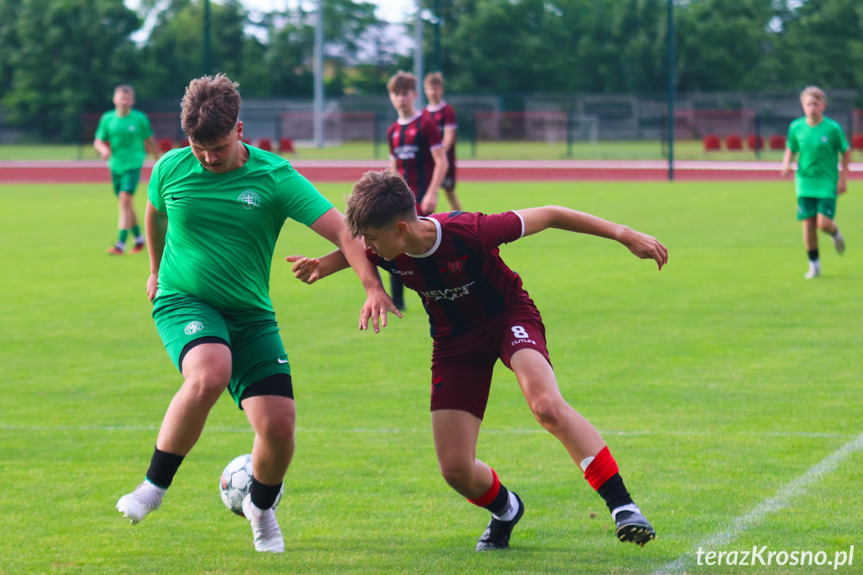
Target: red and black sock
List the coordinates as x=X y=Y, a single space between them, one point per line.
x=603 y=476
x=496 y=499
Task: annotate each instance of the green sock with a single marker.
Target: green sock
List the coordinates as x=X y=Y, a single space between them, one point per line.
x=121 y=238
x=136 y=233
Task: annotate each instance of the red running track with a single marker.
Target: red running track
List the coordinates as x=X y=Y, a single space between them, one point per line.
x=26 y=172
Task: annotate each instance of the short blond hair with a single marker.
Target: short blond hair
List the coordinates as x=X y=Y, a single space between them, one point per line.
x=814 y=92
x=402 y=82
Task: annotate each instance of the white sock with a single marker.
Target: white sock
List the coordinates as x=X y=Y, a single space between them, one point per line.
x=511 y=509
x=628 y=507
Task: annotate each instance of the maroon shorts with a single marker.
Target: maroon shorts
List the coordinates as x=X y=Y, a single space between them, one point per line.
x=462 y=366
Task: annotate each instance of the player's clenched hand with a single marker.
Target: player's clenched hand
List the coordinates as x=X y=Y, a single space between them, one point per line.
x=305 y=269
x=644 y=246
x=378 y=303
x=152 y=286
x=428 y=204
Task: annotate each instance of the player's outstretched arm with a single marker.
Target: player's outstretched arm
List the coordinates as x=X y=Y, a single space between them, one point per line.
x=642 y=245
x=310 y=270
x=156 y=227
x=332 y=226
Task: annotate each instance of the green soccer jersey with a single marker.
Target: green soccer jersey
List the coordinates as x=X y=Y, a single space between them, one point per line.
x=819 y=148
x=222 y=228
x=126 y=136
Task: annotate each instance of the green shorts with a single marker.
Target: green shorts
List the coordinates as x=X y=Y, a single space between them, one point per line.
x=808 y=207
x=126 y=181
x=257 y=350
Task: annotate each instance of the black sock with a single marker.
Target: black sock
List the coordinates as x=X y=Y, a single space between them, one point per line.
x=163 y=467
x=499 y=504
x=614 y=492
x=263 y=496
x=813 y=255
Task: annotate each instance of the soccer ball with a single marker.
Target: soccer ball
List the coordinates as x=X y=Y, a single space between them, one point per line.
x=236 y=483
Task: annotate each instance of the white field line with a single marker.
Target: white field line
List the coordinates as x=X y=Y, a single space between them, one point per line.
x=409 y=430
x=783 y=498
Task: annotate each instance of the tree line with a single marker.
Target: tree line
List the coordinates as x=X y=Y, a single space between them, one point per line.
x=62 y=57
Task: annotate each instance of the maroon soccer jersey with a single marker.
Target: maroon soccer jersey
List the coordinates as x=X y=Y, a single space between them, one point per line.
x=443 y=116
x=462 y=280
x=411 y=144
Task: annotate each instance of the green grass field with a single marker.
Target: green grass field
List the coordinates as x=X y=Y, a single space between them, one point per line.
x=720 y=384
x=636 y=150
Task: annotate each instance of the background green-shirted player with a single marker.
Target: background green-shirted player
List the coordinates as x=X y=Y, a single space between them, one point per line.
x=123 y=138
x=209 y=283
x=819 y=141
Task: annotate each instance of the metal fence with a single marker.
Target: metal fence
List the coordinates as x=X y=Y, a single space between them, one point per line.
x=731 y=121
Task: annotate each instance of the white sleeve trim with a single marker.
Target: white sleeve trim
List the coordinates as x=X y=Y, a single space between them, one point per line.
x=522 y=223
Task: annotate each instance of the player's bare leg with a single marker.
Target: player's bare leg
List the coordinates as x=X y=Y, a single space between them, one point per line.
x=455 y=436
x=584 y=444
x=207 y=371
x=453 y=199
x=829 y=227
x=273 y=419
x=810 y=240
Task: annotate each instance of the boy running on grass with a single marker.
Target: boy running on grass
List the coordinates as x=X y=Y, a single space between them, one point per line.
x=819 y=141
x=124 y=137
x=416 y=152
x=480 y=313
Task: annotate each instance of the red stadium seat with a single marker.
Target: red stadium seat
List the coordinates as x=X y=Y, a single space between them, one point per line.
x=264 y=144
x=286 y=146
x=755 y=142
x=777 y=142
x=857 y=141
x=166 y=144
x=733 y=142
x=712 y=143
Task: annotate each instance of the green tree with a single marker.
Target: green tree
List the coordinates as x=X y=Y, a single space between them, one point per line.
x=722 y=44
x=66 y=56
x=820 y=42
x=174 y=53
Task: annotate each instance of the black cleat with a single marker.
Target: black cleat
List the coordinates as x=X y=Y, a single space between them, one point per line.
x=497 y=533
x=633 y=527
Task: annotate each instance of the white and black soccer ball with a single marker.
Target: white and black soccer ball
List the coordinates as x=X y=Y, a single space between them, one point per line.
x=236 y=482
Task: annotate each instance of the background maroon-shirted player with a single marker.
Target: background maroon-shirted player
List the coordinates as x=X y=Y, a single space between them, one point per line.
x=442 y=114
x=416 y=152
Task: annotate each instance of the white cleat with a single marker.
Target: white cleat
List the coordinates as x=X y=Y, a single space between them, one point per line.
x=813 y=273
x=138 y=504
x=265 y=527
x=839 y=242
